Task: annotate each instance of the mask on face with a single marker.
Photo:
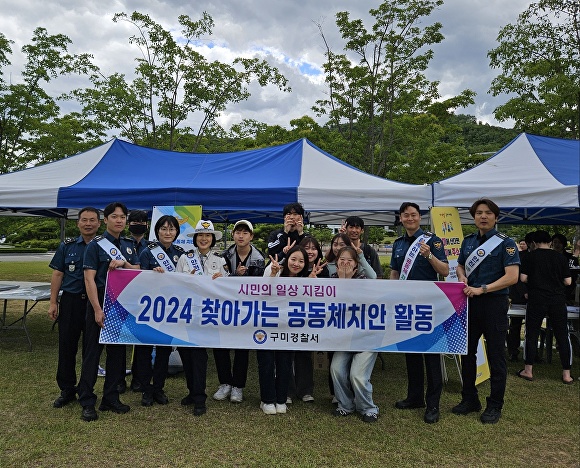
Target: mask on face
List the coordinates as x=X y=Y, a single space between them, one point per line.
x=137 y=229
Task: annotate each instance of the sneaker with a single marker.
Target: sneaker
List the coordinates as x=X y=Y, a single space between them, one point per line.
x=288 y=401
x=223 y=392
x=281 y=408
x=101 y=372
x=466 y=407
x=236 y=395
x=268 y=408
x=308 y=399
x=490 y=415
x=339 y=412
x=370 y=417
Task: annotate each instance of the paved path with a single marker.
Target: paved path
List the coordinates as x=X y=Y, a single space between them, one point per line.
x=32 y=257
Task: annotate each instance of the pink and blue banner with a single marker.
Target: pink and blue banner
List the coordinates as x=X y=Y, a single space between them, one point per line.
x=177 y=309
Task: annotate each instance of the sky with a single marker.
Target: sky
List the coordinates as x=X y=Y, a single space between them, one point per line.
x=284 y=32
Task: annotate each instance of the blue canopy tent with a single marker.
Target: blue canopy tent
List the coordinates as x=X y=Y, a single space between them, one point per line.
x=253 y=184
x=533 y=179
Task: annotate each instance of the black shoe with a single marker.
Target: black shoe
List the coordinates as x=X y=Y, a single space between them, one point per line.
x=114 y=406
x=122 y=387
x=409 y=404
x=160 y=397
x=147 y=399
x=338 y=412
x=490 y=415
x=187 y=400
x=199 y=410
x=89 y=414
x=64 y=400
x=466 y=407
x=370 y=417
x=431 y=415
x=514 y=357
x=135 y=386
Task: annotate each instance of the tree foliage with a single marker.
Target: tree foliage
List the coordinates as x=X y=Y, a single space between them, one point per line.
x=32 y=129
x=539 y=57
x=173 y=83
x=378 y=92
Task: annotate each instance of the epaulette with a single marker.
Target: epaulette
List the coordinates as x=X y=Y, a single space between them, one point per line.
x=151 y=245
x=428 y=233
x=70 y=240
x=502 y=236
x=179 y=248
x=130 y=239
x=471 y=235
x=98 y=238
x=398 y=238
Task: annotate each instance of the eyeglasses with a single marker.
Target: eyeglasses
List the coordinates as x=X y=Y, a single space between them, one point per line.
x=166 y=229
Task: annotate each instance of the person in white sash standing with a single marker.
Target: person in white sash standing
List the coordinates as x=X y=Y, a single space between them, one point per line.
x=104 y=253
x=199 y=261
x=161 y=256
x=488 y=264
x=419 y=255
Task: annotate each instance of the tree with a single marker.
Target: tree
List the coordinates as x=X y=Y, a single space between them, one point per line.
x=31 y=128
x=380 y=79
x=540 y=61
x=172 y=82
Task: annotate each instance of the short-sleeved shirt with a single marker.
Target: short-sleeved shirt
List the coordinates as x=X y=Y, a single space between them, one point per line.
x=68 y=259
x=97 y=259
x=493 y=266
x=422 y=269
x=546 y=270
x=148 y=260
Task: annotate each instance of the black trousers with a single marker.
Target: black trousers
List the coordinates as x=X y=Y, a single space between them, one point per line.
x=115 y=363
x=415 y=378
x=274 y=369
x=487 y=317
x=194 y=362
x=302 y=380
x=514 y=335
x=235 y=375
x=151 y=377
x=558 y=316
x=71 y=324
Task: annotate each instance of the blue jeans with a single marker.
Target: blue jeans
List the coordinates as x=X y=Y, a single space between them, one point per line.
x=351 y=375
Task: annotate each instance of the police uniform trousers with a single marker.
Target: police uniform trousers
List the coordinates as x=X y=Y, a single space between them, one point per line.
x=487 y=316
x=194 y=362
x=71 y=324
x=115 y=363
x=145 y=372
x=415 y=378
x=237 y=375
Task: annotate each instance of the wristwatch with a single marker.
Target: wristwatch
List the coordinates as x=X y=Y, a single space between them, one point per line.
x=430 y=256
x=484 y=287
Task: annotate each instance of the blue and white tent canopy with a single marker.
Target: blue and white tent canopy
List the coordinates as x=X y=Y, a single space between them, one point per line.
x=252 y=184
x=533 y=179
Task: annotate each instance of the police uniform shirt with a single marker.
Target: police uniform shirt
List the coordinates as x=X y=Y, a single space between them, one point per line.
x=422 y=269
x=97 y=259
x=493 y=266
x=148 y=260
x=68 y=259
x=140 y=246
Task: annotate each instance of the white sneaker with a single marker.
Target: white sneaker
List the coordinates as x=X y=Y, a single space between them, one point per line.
x=281 y=408
x=307 y=398
x=268 y=408
x=237 y=395
x=288 y=401
x=101 y=372
x=223 y=392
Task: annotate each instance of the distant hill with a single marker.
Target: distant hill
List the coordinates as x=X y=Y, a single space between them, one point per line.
x=482 y=138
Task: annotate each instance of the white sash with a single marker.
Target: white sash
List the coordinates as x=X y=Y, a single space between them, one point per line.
x=161 y=257
x=479 y=254
x=110 y=249
x=194 y=261
x=412 y=255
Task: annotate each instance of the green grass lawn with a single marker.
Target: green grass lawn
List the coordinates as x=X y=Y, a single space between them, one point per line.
x=540 y=423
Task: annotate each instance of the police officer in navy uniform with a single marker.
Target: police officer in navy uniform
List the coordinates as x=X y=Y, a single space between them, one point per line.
x=487 y=289
x=430 y=262
x=68 y=276
x=97 y=262
x=166 y=231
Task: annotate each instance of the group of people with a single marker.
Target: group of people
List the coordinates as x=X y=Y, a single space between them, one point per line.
x=80 y=268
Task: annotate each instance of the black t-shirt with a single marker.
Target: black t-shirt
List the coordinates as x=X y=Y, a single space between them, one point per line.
x=546 y=270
